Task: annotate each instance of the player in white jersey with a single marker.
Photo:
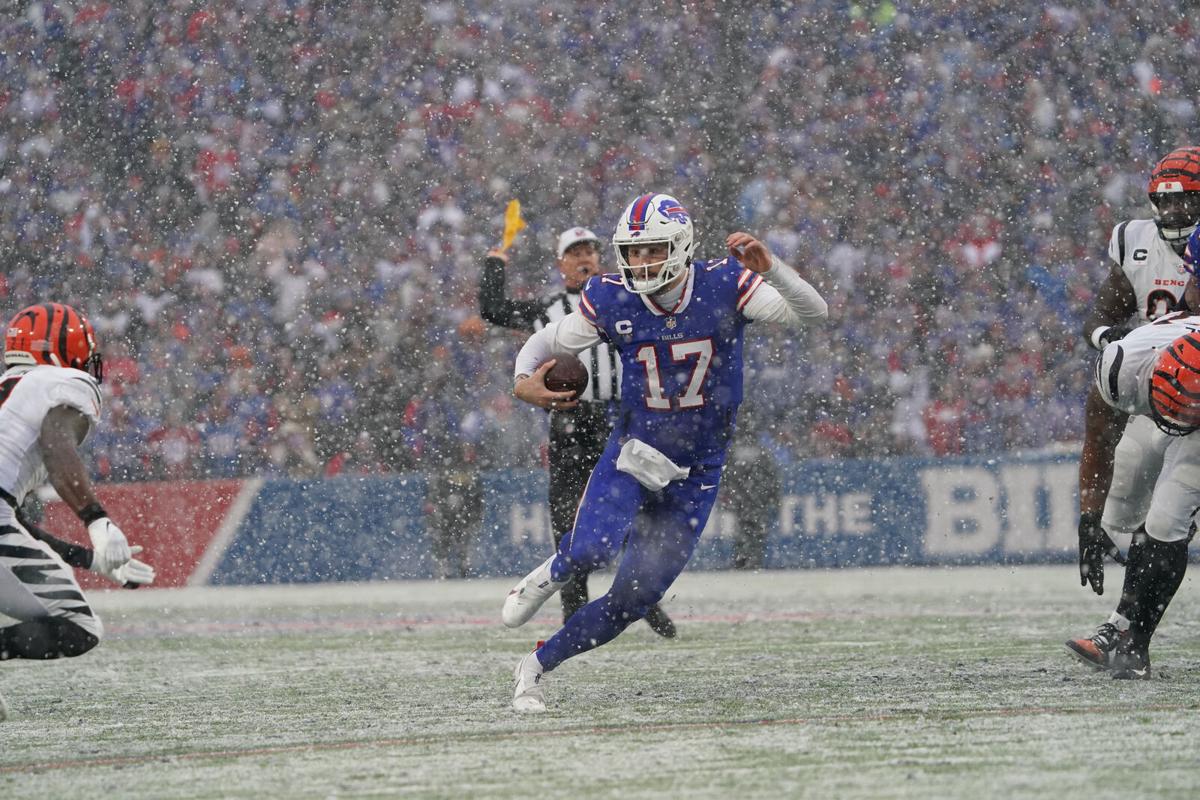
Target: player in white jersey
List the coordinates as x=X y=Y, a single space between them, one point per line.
x=1152 y=372
x=1147 y=281
x=49 y=403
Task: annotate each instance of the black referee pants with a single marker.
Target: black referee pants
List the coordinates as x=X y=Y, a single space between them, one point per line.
x=577 y=439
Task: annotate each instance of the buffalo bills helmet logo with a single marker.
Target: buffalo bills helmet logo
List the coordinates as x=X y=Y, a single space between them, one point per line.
x=670 y=208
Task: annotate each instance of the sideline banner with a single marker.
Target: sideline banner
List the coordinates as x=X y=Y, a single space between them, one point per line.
x=832 y=513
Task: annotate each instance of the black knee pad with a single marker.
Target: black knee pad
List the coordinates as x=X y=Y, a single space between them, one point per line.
x=44 y=639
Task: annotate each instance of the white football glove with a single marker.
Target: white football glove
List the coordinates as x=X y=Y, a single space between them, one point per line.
x=110 y=549
x=133 y=571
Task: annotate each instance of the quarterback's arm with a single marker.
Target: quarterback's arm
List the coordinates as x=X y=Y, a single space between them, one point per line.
x=494 y=304
x=1115 y=304
x=785 y=297
x=782 y=295
x=1103 y=426
x=572 y=334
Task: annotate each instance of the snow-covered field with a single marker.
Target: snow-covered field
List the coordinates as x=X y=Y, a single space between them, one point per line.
x=900 y=682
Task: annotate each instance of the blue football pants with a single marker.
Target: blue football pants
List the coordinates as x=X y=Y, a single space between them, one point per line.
x=658 y=531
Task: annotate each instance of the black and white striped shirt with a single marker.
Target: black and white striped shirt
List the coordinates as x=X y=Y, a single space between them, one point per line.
x=602 y=362
x=604 y=366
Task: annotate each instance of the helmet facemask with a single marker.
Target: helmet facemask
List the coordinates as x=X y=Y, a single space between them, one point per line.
x=642 y=279
x=1174 y=190
x=1177 y=214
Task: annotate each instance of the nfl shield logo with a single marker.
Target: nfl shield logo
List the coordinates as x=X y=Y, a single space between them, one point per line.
x=670 y=322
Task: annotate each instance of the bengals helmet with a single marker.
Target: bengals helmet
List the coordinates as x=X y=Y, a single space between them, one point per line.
x=1175 y=386
x=1174 y=190
x=54 y=334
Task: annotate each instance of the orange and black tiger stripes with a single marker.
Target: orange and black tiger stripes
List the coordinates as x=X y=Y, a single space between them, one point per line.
x=54 y=334
x=1180 y=166
x=1175 y=383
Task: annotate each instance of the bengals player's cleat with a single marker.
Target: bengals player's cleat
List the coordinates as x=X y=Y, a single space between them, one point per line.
x=1130 y=662
x=528 y=596
x=1097 y=650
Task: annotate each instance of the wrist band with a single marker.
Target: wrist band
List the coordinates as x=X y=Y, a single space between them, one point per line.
x=1096 y=334
x=92 y=512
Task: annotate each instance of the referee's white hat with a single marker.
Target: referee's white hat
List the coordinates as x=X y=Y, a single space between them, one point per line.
x=574 y=236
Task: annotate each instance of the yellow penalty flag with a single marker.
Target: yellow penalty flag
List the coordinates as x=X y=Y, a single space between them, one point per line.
x=512 y=223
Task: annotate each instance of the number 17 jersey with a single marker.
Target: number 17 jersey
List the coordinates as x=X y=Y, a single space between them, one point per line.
x=681 y=378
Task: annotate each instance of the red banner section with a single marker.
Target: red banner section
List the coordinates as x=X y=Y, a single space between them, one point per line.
x=175 y=522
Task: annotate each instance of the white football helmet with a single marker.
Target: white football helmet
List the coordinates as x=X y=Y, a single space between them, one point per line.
x=654 y=219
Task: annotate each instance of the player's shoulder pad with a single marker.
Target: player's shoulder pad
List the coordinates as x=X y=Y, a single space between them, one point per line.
x=732 y=276
x=1128 y=235
x=601 y=292
x=1138 y=226
x=604 y=289
x=727 y=264
x=63 y=386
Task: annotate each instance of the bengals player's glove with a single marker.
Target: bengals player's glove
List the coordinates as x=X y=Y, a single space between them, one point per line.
x=132 y=574
x=109 y=545
x=1094 y=545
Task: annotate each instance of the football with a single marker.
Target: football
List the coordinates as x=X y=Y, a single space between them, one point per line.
x=567 y=375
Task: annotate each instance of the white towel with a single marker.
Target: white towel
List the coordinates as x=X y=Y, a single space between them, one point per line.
x=651 y=468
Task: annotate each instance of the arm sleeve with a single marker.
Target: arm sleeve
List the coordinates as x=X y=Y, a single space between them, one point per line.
x=572 y=334
x=783 y=296
x=495 y=305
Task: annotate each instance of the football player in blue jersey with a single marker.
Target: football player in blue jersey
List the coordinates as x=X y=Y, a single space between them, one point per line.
x=677 y=324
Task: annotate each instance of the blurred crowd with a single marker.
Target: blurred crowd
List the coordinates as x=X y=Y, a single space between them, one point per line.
x=275 y=211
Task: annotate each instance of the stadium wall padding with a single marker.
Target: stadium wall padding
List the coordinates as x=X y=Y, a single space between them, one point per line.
x=834 y=513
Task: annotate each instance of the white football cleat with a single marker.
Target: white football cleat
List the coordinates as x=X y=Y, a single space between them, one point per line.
x=529 y=696
x=528 y=596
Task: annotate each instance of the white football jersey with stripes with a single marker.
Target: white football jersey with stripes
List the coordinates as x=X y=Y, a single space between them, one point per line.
x=1154 y=270
x=1154 y=483
x=27 y=394
x=1158 y=279
x=1123 y=369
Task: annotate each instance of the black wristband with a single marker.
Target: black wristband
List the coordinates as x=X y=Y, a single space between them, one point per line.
x=92 y=512
x=1090 y=519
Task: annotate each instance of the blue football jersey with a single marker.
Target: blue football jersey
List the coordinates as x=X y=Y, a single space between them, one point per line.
x=681 y=367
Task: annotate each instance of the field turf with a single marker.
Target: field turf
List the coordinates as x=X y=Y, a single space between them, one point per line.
x=881 y=683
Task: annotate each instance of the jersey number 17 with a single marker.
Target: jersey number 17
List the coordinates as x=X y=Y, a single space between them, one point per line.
x=692 y=396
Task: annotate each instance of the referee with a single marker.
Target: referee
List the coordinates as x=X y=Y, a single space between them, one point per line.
x=578 y=435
